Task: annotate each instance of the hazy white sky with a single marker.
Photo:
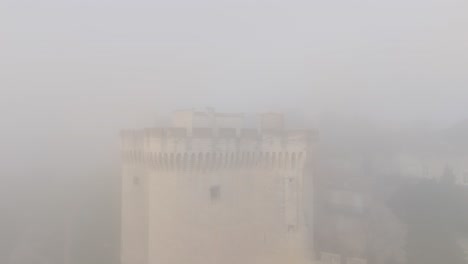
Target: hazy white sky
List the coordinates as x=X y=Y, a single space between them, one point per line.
x=97 y=58
x=74 y=72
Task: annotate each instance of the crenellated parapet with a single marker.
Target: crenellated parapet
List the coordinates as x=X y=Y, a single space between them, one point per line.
x=173 y=148
x=191 y=161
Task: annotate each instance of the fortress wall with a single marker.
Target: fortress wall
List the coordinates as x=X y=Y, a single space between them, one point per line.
x=213 y=196
x=244 y=222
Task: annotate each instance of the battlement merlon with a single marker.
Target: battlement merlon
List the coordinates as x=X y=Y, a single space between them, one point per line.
x=193 y=130
x=174 y=139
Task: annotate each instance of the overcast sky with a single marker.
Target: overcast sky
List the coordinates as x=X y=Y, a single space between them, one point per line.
x=131 y=57
x=73 y=72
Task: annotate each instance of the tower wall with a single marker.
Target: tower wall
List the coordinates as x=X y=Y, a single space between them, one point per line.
x=134 y=200
x=207 y=195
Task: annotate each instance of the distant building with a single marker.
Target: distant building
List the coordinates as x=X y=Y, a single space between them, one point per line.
x=434 y=167
x=206 y=190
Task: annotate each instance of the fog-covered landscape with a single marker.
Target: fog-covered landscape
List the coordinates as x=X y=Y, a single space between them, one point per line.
x=382 y=86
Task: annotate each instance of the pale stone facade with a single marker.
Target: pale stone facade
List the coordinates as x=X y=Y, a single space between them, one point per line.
x=209 y=191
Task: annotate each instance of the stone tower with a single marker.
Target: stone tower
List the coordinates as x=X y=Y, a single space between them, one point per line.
x=206 y=190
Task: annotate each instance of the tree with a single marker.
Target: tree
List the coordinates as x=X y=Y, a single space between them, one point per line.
x=436 y=216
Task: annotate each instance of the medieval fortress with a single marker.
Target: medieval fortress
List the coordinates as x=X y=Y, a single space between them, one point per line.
x=208 y=190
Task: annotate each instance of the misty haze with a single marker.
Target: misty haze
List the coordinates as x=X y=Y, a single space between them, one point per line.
x=234 y=131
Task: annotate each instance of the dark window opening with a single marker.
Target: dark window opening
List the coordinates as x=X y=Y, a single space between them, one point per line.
x=215 y=192
x=136 y=180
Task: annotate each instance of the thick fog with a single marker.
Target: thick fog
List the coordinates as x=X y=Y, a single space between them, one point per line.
x=369 y=76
